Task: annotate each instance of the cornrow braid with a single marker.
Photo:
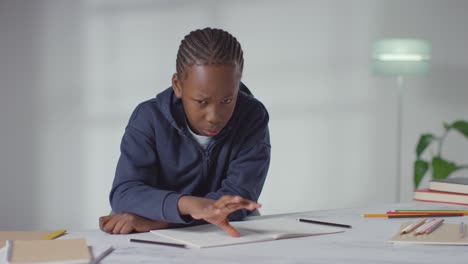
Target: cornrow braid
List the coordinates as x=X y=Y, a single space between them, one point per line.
x=208 y=46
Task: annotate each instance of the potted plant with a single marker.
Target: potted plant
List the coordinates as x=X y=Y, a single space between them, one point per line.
x=440 y=167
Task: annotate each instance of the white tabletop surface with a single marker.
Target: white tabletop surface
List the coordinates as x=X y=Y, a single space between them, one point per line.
x=365 y=242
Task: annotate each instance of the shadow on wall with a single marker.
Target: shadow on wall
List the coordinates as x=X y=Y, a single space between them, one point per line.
x=20 y=49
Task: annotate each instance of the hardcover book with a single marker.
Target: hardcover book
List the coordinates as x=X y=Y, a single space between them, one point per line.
x=456 y=185
x=427 y=195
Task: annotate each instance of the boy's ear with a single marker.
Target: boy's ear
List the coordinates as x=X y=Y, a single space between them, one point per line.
x=176 y=86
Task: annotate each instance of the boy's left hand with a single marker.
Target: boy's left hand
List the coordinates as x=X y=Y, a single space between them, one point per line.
x=215 y=211
x=127 y=223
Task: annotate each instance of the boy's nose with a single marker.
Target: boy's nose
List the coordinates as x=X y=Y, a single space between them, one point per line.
x=214 y=116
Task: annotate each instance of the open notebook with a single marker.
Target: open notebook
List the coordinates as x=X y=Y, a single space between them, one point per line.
x=205 y=236
x=446 y=234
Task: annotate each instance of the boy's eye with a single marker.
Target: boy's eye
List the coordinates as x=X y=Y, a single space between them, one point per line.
x=226 y=101
x=201 y=101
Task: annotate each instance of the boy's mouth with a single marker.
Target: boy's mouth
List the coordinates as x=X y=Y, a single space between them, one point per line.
x=210 y=133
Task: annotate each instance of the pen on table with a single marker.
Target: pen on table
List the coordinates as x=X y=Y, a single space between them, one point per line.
x=412 y=227
x=157 y=243
x=462 y=230
x=323 y=223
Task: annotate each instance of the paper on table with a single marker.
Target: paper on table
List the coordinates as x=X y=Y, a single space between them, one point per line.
x=251 y=231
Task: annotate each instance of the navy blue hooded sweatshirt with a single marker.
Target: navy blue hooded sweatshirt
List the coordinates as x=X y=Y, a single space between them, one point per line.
x=160 y=161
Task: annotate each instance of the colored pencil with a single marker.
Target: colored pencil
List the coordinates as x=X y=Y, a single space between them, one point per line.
x=412 y=227
x=462 y=230
x=430 y=211
x=426 y=227
x=404 y=215
x=433 y=227
x=55 y=234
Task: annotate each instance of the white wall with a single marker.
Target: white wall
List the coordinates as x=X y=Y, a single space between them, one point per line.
x=71 y=72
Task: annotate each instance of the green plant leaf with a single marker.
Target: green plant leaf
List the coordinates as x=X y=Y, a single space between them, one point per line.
x=461 y=126
x=420 y=169
x=441 y=168
x=424 y=141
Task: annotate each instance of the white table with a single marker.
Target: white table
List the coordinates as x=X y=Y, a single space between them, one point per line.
x=366 y=242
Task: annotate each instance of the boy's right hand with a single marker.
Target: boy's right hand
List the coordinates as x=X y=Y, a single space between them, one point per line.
x=215 y=211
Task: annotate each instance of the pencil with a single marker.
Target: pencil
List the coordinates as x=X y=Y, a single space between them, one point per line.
x=424 y=228
x=404 y=215
x=412 y=227
x=55 y=234
x=323 y=223
x=422 y=211
x=102 y=256
x=427 y=211
x=434 y=226
x=157 y=243
x=462 y=230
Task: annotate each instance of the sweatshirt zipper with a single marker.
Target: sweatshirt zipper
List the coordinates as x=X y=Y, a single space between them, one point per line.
x=205 y=155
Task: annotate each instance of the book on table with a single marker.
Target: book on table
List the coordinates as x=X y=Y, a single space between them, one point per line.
x=208 y=235
x=427 y=195
x=29 y=235
x=48 y=251
x=456 y=185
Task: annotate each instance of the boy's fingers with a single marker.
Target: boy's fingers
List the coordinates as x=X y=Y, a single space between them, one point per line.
x=118 y=226
x=228 y=199
x=229 y=229
x=127 y=229
x=103 y=220
x=109 y=226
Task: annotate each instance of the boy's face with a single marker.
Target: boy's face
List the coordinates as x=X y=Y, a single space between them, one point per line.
x=209 y=94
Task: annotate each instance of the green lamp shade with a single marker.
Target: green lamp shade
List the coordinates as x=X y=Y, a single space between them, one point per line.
x=401 y=57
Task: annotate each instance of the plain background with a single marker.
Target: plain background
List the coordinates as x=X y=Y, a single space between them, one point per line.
x=71 y=73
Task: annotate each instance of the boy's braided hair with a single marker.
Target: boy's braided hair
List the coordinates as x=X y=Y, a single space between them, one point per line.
x=208 y=46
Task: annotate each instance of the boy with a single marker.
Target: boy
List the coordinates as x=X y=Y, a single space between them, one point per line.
x=200 y=150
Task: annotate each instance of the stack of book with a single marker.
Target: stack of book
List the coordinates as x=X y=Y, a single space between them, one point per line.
x=450 y=190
